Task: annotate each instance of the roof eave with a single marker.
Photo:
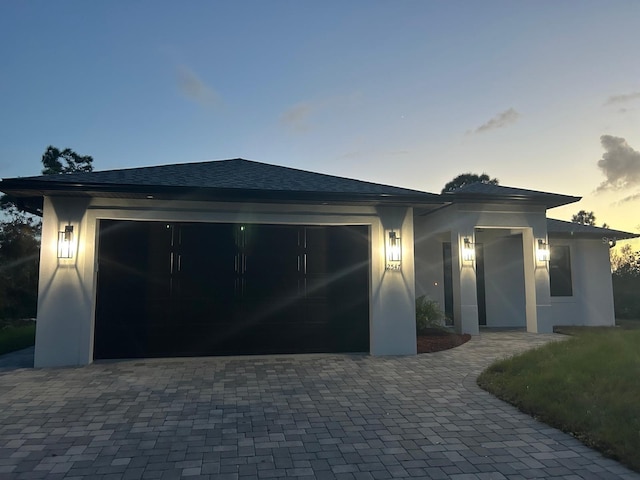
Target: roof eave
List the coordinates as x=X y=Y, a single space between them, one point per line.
x=34 y=188
x=548 y=200
x=604 y=233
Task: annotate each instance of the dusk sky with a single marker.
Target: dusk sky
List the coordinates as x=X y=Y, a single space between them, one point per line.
x=541 y=94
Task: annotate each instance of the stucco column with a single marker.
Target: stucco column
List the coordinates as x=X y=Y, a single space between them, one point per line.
x=465 y=298
x=393 y=312
x=544 y=311
x=65 y=290
x=536 y=281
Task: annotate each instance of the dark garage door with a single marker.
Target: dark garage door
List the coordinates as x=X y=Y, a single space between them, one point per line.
x=184 y=289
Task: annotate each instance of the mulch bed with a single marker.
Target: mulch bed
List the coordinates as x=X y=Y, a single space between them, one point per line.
x=435 y=340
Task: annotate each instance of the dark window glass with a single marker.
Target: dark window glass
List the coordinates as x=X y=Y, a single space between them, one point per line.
x=560 y=272
x=448 y=282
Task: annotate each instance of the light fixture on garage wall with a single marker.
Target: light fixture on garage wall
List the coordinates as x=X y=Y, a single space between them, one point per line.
x=394 y=250
x=65 y=242
x=468 y=250
x=542 y=251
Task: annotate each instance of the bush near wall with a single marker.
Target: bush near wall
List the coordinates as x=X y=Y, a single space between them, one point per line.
x=428 y=315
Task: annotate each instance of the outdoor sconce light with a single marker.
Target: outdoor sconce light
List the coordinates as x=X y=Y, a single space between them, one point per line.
x=468 y=250
x=394 y=251
x=65 y=242
x=542 y=252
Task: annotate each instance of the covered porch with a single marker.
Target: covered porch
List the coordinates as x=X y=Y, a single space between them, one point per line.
x=486 y=266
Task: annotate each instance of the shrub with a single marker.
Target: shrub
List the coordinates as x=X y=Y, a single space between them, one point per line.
x=428 y=314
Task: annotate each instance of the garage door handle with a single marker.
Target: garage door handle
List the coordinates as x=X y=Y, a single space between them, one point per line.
x=240 y=263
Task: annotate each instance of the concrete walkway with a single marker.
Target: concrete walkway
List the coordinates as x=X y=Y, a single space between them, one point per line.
x=305 y=416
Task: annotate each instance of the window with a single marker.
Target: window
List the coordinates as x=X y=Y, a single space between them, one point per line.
x=560 y=272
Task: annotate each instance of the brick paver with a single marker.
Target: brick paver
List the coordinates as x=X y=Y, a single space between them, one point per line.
x=269 y=417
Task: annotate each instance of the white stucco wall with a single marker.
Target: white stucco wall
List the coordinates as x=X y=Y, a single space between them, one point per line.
x=66 y=303
x=66 y=288
x=592 y=300
x=393 y=292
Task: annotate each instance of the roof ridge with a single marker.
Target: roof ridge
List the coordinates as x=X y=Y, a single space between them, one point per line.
x=128 y=169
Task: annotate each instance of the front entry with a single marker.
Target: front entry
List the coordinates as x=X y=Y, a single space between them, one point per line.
x=191 y=289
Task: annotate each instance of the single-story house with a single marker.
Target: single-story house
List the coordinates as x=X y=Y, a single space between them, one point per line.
x=240 y=257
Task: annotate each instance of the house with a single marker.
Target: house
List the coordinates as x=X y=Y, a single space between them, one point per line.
x=240 y=257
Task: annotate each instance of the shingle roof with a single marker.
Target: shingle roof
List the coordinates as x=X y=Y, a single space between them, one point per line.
x=570 y=229
x=480 y=192
x=222 y=176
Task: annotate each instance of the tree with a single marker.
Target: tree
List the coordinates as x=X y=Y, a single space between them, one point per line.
x=52 y=164
x=20 y=240
x=626 y=282
x=19 y=259
x=467 y=179
x=625 y=261
x=584 y=218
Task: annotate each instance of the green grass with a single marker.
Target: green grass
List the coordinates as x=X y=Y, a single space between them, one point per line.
x=577 y=330
x=16 y=336
x=588 y=386
x=628 y=324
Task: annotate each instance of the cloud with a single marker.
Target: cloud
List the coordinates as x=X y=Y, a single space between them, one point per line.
x=501 y=120
x=630 y=198
x=192 y=86
x=297 y=117
x=623 y=98
x=620 y=164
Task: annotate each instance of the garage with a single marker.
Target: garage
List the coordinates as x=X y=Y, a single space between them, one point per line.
x=195 y=289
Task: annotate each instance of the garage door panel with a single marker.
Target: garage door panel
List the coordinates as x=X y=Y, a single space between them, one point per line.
x=131 y=286
x=183 y=289
x=271 y=269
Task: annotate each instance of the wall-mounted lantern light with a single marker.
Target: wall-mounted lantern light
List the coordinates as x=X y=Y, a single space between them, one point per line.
x=394 y=250
x=542 y=251
x=468 y=250
x=65 y=242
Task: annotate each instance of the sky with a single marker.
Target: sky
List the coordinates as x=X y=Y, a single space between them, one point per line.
x=541 y=94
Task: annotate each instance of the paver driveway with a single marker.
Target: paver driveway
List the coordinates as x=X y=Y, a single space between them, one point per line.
x=308 y=416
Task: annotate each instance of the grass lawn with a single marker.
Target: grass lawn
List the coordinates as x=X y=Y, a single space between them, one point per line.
x=628 y=324
x=16 y=335
x=588 y=386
